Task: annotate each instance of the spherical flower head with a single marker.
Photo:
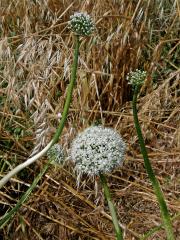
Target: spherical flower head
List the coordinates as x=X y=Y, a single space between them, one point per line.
x=136 y=78
x=97 y=150
x=81 y=24
x=56 y=154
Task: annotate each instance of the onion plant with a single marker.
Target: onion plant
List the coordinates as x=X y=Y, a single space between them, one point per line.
x=82 y=25
x=136 y=79
x=95 y=152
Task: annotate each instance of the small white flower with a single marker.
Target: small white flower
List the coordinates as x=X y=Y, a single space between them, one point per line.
x=137 y=77
x=97 y=150
x=56 y=154
x=59 y=115
x=81 y=24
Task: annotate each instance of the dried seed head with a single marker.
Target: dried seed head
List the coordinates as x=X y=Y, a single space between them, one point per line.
x=136 y=78
x=81 y=24
x=97 y=150
x=56 y=154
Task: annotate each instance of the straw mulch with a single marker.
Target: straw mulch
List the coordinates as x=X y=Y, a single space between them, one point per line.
x=36 y=53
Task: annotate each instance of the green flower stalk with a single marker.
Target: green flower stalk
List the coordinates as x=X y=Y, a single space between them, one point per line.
x=55 y=148
x=112 y=209
x=48 y=148
x=136 y=79
x=97 y=151
x=82 y=25
x=31 y=160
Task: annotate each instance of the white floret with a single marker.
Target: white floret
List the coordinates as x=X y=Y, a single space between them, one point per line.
x=137 y=77
x=81 y=24
x=97 y=150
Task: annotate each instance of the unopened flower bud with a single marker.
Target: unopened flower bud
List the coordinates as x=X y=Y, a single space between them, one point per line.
x=81 y=24
x=56 y=154
x=136 y=78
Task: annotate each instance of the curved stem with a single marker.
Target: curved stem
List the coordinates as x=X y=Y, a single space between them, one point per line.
x=21 y=166
x=163 y=207
x=8 y=215
x=11 y=213
x=112 y=209
x=31 y=160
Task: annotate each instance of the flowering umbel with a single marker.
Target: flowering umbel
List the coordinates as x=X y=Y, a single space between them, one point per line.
x=81 y=24
x=56 y=154
x=97 y=150
x=136 y=78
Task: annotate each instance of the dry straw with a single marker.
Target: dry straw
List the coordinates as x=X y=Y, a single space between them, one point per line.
x=36 y=52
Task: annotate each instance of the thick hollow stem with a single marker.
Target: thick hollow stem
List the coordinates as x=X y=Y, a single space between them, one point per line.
x=31 y=160
x=112 y=209
x=69 y=92
x=8 y=215
x=163 y=207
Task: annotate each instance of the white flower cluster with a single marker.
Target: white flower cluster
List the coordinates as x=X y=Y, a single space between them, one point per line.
x=81 y=24
x=56 y=154
x=97 y=150
x=137 y=77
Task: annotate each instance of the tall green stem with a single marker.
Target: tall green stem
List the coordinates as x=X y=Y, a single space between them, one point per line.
x=112 y=209
x=31 y=160
x=69 y=92
x=8 y=215
x=163 y=207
